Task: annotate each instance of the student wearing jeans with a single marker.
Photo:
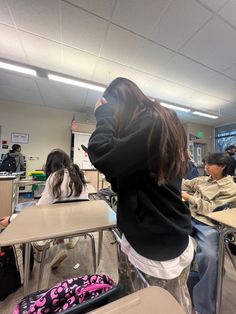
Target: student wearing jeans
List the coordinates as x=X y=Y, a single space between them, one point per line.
x=204 y=194
x=141 y=148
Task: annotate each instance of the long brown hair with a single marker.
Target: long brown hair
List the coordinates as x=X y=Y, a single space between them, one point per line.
x=57 y=162
x=169 y=158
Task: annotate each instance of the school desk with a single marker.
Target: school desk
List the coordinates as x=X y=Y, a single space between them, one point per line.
x=226 y=224
x=37 y=223
x=151 y=300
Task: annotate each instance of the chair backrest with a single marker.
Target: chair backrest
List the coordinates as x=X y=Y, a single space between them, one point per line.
x=222 y=207
x=71 y=200
x=101 y=300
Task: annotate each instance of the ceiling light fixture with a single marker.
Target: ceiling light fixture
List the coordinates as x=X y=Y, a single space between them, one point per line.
x=16 y=68
x=175 y=107
x=207 y=115
x=75 y=82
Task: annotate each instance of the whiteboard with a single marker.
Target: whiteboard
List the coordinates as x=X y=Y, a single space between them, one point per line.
x=80 y=156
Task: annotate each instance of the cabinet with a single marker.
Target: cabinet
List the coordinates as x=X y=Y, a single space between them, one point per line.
x=96 y=179
x=8 y=194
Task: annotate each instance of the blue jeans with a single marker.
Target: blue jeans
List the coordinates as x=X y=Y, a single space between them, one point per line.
x=20 y=206
x=204 y=292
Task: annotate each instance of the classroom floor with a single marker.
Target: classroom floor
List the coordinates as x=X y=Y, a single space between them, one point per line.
x=81 y=254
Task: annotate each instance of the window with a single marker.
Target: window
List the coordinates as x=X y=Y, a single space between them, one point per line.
x=225 y=136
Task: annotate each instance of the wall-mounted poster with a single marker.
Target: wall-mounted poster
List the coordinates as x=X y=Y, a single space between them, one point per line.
x=21 y=138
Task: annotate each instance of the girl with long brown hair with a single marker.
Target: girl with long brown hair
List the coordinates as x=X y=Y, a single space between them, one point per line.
x=141 y=148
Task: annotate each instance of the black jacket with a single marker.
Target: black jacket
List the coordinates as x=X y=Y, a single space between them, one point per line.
x=232 y=166
x=154 y=219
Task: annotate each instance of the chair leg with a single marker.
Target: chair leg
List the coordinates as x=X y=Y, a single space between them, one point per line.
x=93 y=250
x=230 y=255
x=42 y=264
x=221 y=257
x=26 y=268
x=100 y=240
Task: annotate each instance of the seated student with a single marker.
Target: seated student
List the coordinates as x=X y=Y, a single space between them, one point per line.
x=65 y=180
x=231 y=150
x=207 y=193
x=192 y=168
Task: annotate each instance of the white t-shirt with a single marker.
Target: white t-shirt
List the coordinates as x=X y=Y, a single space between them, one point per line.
x=164 y=270
x=48 y=198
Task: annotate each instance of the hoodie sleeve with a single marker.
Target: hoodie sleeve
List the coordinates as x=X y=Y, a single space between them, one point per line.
x=118 y=156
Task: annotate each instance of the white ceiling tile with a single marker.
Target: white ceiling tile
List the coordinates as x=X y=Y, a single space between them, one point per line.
x=39 y=17
x=102 y=8
x=200 y=100
x=138 y=15
x=121 y=45
x=106 y=71
x=214 y=5
x=229 y=12
x=182 y=19
x=78 y=63
x=141 y=79
x=228 y=109
x=81 y=29
x=151 y=58
x=214 y=45
x=92 y=98
x=222 y=87
x=10 y=45
x=231 y=71
x=5 y=16
x=62 y=96
x=184 y=71
x=19 y=88
x=41 y=52
x=159 y=88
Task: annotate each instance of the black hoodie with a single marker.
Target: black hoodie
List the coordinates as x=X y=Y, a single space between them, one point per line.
x=153 y=218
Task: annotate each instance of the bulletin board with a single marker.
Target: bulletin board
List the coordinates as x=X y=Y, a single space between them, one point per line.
x=20 y=138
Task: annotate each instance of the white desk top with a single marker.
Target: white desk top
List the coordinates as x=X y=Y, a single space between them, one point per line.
x=226 y=217
x=151 y=300
x=7 y=177
x=36 y=223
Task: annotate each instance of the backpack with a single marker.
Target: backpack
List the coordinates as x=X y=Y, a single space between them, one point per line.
x=66 y=295
x=10 y=278
x=8 y=164
x=9 y=274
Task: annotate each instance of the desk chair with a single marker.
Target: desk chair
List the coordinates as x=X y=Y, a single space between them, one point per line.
x=226 y=240
x=108 y=196
x=226 y=246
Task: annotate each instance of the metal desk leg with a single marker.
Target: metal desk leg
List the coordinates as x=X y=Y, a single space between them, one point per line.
x=221 y=259
x=100 y=240
x=93 y=250
x=26 y=268
x=42 y=264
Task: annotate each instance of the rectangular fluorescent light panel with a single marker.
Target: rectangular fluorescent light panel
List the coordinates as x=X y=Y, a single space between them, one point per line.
x=75 y=82
x=16 y=68
x=175 y=107
x=207 y=115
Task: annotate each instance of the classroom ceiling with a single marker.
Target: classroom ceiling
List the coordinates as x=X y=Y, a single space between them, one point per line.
x=182 y=51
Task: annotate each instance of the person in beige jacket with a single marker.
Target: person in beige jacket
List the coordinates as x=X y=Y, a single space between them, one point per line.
x=204 y=194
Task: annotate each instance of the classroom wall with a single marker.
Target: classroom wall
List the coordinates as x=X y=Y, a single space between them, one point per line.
x=208 y=134
x=48 y=128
